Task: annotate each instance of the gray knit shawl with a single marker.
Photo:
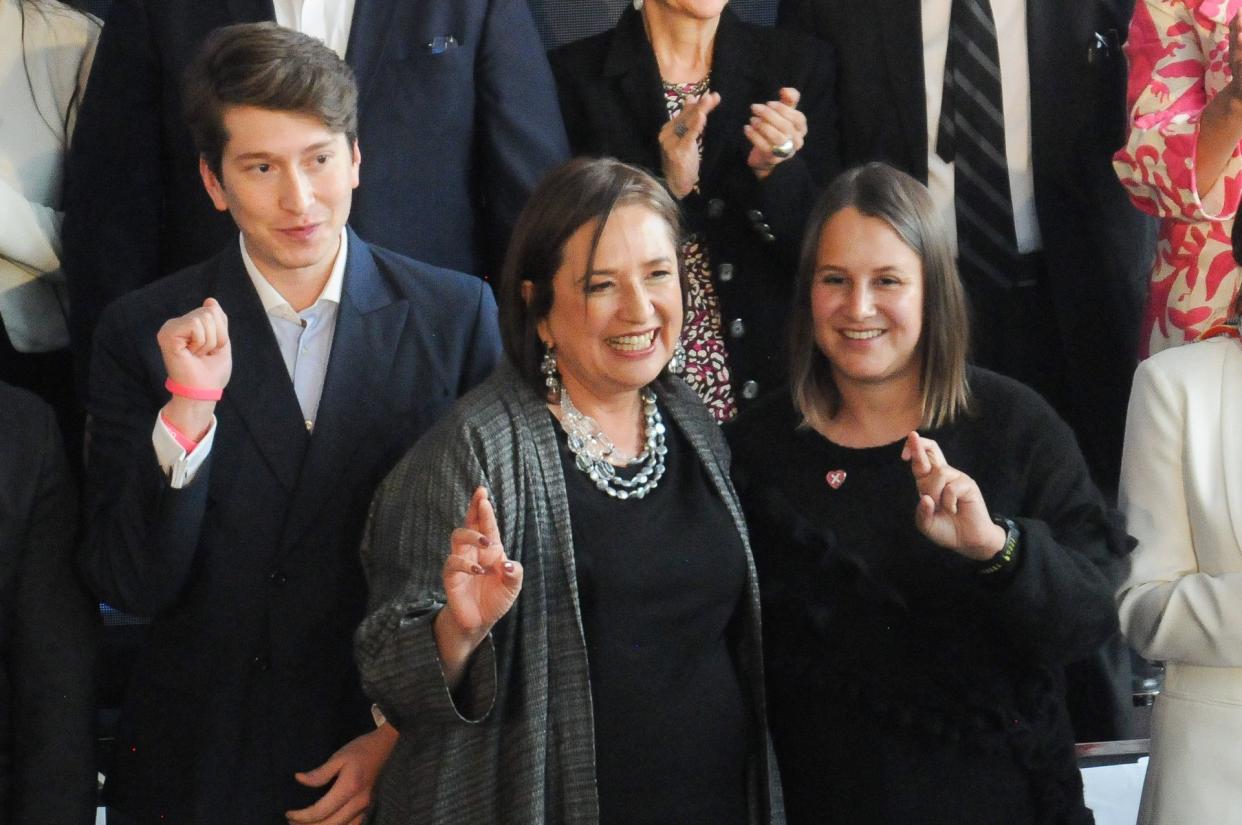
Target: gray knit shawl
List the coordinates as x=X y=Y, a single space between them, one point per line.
x=515 y=744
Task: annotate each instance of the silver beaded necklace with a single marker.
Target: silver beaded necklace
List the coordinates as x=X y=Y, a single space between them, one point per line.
x=593 y=449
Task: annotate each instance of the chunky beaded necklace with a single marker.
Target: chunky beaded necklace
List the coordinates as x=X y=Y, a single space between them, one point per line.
x=593 y=449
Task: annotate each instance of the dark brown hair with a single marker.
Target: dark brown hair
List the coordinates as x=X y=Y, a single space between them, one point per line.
x=880 y=191
x=582 y=191
x=269 y=67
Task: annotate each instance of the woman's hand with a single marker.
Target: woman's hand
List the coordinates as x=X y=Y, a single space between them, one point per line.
x=951 y=511
x=480 y=582
x=679 y=144
x=776 y=132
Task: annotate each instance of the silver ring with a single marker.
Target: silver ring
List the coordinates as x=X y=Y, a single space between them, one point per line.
x=783 y=150
x=680 y=129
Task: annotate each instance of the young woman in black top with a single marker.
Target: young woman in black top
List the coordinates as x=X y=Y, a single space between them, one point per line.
x=930 y=548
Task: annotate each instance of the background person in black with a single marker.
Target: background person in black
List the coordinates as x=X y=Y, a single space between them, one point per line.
x=48 y=628
x=740 y=123
x=931 y=549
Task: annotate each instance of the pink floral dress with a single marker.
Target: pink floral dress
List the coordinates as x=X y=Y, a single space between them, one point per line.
x=707 y=364
x=1178 y=57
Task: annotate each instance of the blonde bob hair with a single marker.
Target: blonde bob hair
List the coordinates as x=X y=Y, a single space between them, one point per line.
x=880 y=191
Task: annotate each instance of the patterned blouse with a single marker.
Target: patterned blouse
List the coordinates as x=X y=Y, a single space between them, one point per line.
x=1179 y=60
x=707 y=364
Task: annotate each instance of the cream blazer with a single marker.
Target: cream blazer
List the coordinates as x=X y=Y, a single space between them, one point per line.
x=45 y=59
x=1181 y=491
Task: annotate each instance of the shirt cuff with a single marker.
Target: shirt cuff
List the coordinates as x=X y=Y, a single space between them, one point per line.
x=179 y=466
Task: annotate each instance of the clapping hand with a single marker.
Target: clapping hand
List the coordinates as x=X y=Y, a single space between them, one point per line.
x=679 y=144
x=951 y=511
x=776 y=131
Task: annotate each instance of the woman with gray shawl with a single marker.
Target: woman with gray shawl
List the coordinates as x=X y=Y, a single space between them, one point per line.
x=564 y=623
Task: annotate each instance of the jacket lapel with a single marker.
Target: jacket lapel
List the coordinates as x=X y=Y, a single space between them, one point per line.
x=631 y=61
x=260 y=391
x=1231 y=435
x=369 y=323
x=740 y=75
x=901 y=30
x=368 y=38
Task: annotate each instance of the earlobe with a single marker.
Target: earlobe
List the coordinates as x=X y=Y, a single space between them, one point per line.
x=356 y=164
x=215 y=189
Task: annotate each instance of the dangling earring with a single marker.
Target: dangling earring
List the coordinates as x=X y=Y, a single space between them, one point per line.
x=677 y=364
x=550 y=376
x=638 y=5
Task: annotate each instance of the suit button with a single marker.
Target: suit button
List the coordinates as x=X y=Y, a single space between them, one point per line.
x=756 y=217
x=725 y=273
x=261 y=663
x=715 y=208
x=737 y=328
x=763 y=229
x=767 y=237
x=750 y=390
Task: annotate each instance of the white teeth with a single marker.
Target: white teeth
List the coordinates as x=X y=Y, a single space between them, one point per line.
x=632 y=342
x=861 y=335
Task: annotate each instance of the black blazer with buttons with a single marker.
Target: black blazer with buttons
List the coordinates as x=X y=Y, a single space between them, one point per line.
x=251 y=572
x=613 y=104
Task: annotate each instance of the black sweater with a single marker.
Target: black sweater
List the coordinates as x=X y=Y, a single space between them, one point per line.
x=905 y=686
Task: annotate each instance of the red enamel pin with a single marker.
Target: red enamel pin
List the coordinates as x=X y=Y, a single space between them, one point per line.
x=835 y=478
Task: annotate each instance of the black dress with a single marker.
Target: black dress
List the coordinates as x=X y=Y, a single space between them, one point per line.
x=905 y=686
x=660 y=581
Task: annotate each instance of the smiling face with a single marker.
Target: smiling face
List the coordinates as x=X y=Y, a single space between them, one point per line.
x=614 y=327
x=288 y=182
x=867 y=302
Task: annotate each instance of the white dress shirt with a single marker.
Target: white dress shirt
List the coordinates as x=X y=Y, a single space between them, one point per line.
x=328 y=20
x=1010 y=17
x=305 y=341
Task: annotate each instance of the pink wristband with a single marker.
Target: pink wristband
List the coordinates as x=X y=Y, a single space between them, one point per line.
x=188 y=444
x=193 y=393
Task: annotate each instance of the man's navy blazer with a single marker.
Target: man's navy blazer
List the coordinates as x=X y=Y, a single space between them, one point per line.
x=457 y=121
x=251 y=572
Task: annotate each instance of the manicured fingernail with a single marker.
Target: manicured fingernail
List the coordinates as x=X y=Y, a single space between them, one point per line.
x=508 y=566
x=483 y=541
x=476 y=570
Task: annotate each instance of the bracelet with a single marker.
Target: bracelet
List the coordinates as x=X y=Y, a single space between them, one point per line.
x=1008 y=552
x=193 y=393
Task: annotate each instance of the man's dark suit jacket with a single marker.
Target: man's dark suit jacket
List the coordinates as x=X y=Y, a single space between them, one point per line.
x=457 y=121
x=613 y=104
x=251 y=572
x=1097 y=246
x=48 y=627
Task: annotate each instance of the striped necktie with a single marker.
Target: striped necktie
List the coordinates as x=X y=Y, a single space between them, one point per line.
x=971 y=136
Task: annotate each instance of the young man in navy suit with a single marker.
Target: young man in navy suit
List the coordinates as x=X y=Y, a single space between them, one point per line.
x=457 y=112
x=243 y=410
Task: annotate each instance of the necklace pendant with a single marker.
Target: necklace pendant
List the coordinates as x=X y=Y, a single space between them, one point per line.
x=835 y=479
